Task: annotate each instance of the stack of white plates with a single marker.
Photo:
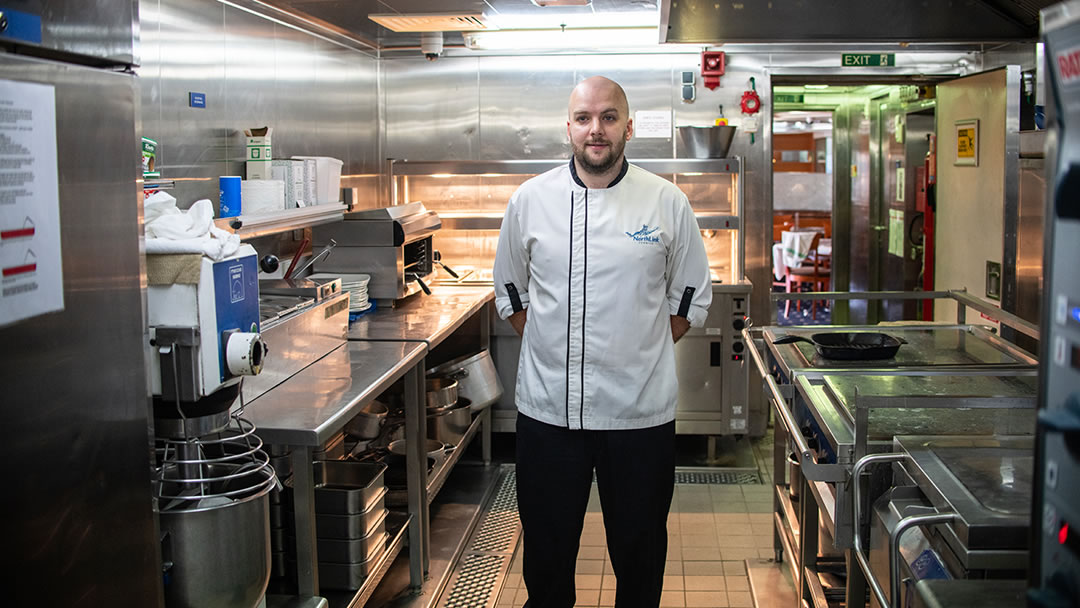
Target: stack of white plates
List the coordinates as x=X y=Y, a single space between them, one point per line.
x=355 y=284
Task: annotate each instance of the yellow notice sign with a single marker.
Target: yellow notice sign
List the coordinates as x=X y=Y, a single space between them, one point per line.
x=967 y=142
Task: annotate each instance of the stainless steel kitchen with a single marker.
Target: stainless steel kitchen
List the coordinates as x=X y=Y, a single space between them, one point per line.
x=298 y=310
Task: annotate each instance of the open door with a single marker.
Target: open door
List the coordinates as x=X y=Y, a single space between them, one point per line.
x=978 y=152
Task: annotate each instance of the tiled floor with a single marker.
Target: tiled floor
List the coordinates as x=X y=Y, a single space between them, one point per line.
x=712 y=531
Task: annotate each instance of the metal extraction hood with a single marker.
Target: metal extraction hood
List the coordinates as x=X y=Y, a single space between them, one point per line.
x=825 y=21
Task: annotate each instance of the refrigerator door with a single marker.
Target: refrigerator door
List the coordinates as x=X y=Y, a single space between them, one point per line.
x=102 y=30
x=79 y=527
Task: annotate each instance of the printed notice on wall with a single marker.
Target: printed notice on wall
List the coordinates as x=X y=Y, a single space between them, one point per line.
x=896 y=232
x=31 y=275
x=652 y=123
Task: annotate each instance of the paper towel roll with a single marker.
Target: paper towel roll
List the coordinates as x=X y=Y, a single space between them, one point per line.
x=262 y=196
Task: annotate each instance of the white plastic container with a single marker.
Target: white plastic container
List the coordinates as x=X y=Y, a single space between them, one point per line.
x=328 y=171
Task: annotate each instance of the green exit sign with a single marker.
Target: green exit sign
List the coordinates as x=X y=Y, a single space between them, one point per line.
x=853 y=60
x=788 y=98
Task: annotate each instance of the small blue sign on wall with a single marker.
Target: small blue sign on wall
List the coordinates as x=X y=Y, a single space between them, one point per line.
x=21 y=26
x=197 y=100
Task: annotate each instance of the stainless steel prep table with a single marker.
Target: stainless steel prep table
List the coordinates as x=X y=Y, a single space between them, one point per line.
x=429 y=320
x=426 y=318
x=312 y=406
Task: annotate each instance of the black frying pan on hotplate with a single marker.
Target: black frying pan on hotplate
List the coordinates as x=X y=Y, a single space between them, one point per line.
x=850 y=346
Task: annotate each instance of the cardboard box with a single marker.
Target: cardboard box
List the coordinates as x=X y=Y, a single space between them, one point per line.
x=292 y=173
x=259 y=169
x=259 y=145
x=311 y=181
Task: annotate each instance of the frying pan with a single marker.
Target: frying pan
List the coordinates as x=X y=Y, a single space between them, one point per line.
x=850 y=346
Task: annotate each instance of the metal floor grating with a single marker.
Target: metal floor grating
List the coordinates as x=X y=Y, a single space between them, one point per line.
x=717 y=478
x=480 y=571
x=476 y=580
x=499 y=530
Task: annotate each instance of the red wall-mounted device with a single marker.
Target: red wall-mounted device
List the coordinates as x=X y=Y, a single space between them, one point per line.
x=712 y=68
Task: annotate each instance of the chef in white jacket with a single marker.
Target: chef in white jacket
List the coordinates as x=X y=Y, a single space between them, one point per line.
x=600 y=268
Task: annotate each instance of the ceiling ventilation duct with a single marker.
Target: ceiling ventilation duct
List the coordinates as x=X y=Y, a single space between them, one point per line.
x=747 y=21
x=432 y=22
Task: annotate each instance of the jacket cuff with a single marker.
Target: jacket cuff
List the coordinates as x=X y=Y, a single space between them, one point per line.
x=505 y=307
x=696 y=315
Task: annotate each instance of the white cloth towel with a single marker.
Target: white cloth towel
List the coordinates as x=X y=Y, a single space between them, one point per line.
x=172 y=230
x=796 y=247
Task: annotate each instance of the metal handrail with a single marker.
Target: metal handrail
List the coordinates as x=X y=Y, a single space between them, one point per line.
x=894 y=547
x=961 y=296
x=808 y=463
x=860 y=557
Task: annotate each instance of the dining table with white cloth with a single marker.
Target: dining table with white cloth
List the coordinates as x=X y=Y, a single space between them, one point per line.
x=793 y=249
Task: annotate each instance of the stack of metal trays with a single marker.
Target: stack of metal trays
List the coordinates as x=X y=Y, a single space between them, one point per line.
x=350 y=521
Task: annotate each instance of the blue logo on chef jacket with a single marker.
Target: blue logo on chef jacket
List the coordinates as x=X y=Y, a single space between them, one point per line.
x=645 y=235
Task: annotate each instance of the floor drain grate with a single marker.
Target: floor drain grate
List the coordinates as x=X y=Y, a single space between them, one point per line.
x=476 y=581
x=482 y=569
x=696 y=477
x=498 y=532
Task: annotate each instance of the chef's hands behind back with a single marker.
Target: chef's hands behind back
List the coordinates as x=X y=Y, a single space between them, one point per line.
x=517 y=321
x=679 y=326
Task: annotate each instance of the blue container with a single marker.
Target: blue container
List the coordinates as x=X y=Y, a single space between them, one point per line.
x=230 y=195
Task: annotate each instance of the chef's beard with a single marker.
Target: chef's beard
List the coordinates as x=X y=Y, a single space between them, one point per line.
x=597 y=168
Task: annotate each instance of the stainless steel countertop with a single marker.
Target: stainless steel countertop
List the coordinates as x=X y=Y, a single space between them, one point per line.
x=313 y=405
x=987 y=481
x=940 y=593
x=934 y=404
x=423 y=318
x=930 y=348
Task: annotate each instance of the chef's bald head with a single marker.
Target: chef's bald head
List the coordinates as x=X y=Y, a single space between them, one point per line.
x=599 y=89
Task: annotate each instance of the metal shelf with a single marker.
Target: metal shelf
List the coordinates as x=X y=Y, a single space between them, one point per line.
x=826 y=500
x=251 y=226
x=438 y=478
x=354 y=599
x=817 y=592
x=790 y=547
x=341 y=599
x=452 y=220
x=788 y=511
x=535 y=167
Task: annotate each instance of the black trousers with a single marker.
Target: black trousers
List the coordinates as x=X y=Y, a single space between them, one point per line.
x=635 y=476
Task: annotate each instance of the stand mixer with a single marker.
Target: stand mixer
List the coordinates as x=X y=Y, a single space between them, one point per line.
x=212 y=478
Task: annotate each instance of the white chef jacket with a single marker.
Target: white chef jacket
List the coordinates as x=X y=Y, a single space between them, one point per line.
x=601 y=271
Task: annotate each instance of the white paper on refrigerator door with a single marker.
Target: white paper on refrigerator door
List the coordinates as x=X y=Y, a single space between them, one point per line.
x=31 y=270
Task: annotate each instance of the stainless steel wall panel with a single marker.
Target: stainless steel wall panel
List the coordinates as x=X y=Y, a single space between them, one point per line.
x=103 y=30
x=523 y=105
x=293 y=90
x=192 y=142
x=318 y=96
x=79 y=528
x=432 y=109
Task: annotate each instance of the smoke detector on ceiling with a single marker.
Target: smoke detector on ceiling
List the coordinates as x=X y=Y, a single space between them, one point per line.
x=562 y=2
x=432 y=22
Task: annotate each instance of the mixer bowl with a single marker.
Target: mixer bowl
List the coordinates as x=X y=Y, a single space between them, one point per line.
x=219 y=550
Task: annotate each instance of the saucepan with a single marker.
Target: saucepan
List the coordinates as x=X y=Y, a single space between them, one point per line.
x=850 y=346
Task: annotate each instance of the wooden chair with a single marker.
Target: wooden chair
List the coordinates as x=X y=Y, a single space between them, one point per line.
x=814 y=274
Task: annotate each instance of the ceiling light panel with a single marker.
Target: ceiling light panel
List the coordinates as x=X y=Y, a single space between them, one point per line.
x=433 y=22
